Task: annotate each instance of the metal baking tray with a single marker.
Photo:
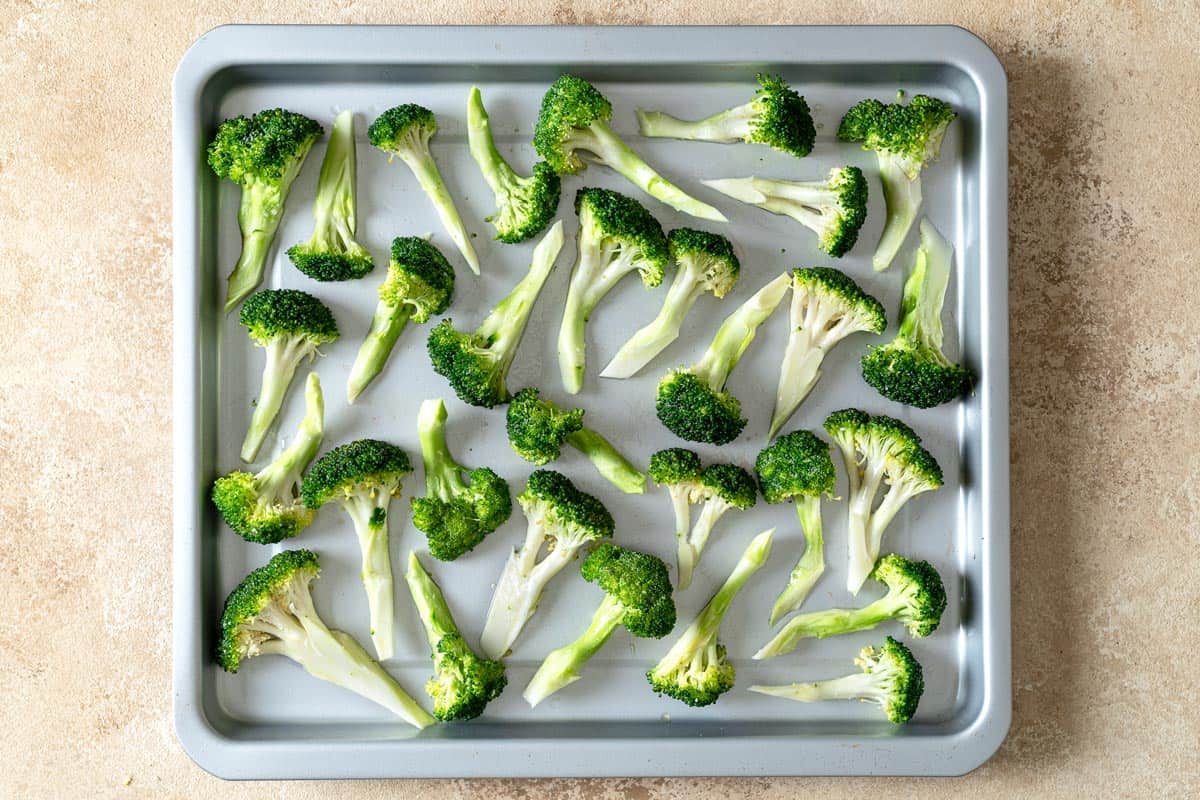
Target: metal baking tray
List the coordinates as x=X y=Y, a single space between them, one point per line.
x=273 y=721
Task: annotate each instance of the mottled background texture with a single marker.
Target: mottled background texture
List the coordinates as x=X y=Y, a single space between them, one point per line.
x=1105 y=438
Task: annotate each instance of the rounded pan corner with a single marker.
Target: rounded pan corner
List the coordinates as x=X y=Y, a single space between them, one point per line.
x=981 y=740
x=202 y=742
x=207 y=56
x=974 y=54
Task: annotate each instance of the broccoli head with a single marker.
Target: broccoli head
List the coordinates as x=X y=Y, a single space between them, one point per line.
x=720 y=487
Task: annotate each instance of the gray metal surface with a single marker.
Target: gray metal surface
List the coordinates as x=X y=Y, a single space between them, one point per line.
x=274 y=721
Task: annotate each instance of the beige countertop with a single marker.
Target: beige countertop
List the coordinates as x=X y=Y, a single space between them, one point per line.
x=1105 y=395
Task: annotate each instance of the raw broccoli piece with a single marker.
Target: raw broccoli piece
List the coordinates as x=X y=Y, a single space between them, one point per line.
x=777 y=116
x=891 y=677
x=692 y=402
x=916 y=598
x=637 y=595
x=905 y=139
x=476 y=364
x=290 y=325
x=912 y=369
x=834 y=209
x=876 y=450
x=271 y=613
x=705 y=262
x=537 y=430
x=574 y=116
x=563 y=519
x=524 y=206
x=455 y=515
x=404 y=132
x=797 y=467
x=694 y=671
x=827 y=306
x=332 y=254
x=266 y=508
x=363 y=477
x=721 y=487
x=679 y=470
x=617 y=236
x=262 y=154
x=463 y=683
x=419 y=284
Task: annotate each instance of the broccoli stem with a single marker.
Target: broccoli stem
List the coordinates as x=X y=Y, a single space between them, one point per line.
x=731 y=125
x=643 y=346
x=596 y=272
x=599 y=139
x=925 y=291
x=430 y=602
x=386 y=326
x=832 y=622
x=259 y=213
x=372 y=530
x=334 y=207
x=681 y=503
x=561 y=667
x=284 y=472
x=251 y=265
x=421 y=162
x=615 y=468
x=737 y=332
x=897 y=495
x=496 y=171
x=691 y=546
x=284 y=354
x=861 y=685
x=902 y=196
x=808 y=569
x=861 y=560
x=443 y=475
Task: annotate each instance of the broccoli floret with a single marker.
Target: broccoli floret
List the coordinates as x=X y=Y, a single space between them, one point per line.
x=419 y=284
x=363 y=477
x=266 y=508
x=537 y=430
x=834 y=209
x=332 y=254
x=720 y=487
x=271 y=613
x=891 y=677
x=912 y=369
x=797 y=467
x=524 y=206
x=827 y=306
x=705 y=262
x=694 y=671
x=777 y=116
x=916 y=598
x=877 y=450
x=476 y=364
x=290 y=325
x=905 y=138
x=455 y=515
x=616 y=237
x=404 y=132
x=463 y=683
x=262 y=154
x=637 y=595
x=564 y=520
x=692 y=402
x=574 y=116
x=679 y=470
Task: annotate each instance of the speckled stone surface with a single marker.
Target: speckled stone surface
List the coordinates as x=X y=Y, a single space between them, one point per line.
x=1105 y=390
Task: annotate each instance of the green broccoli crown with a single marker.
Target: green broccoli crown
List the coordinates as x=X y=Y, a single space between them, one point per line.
x=256 y=518
x=273 y=313
x=267 y=585
x=569 y=104
x=537 y=428
x=474 y=371
x=529 y=206
x=886 y=438
x=364 y=465
x=915 y=374
x=898 y=677
x=730 y=483
x=847 y=215
x=915 y=466
x=621 y=223
x=463 y=683
x=919 y=586
x=395 y=130
x=456 y=524
x=699 y=682
x=845 y=425
x=262 y=147
x=795 y=465
x=419 y=276
x=912 y=132
x=784 y=120
x=675 y=465
x=695 y=412
x=836 y=286
x=639 y=582
x=551 y=495
x=711 y=253
x=320 y=263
